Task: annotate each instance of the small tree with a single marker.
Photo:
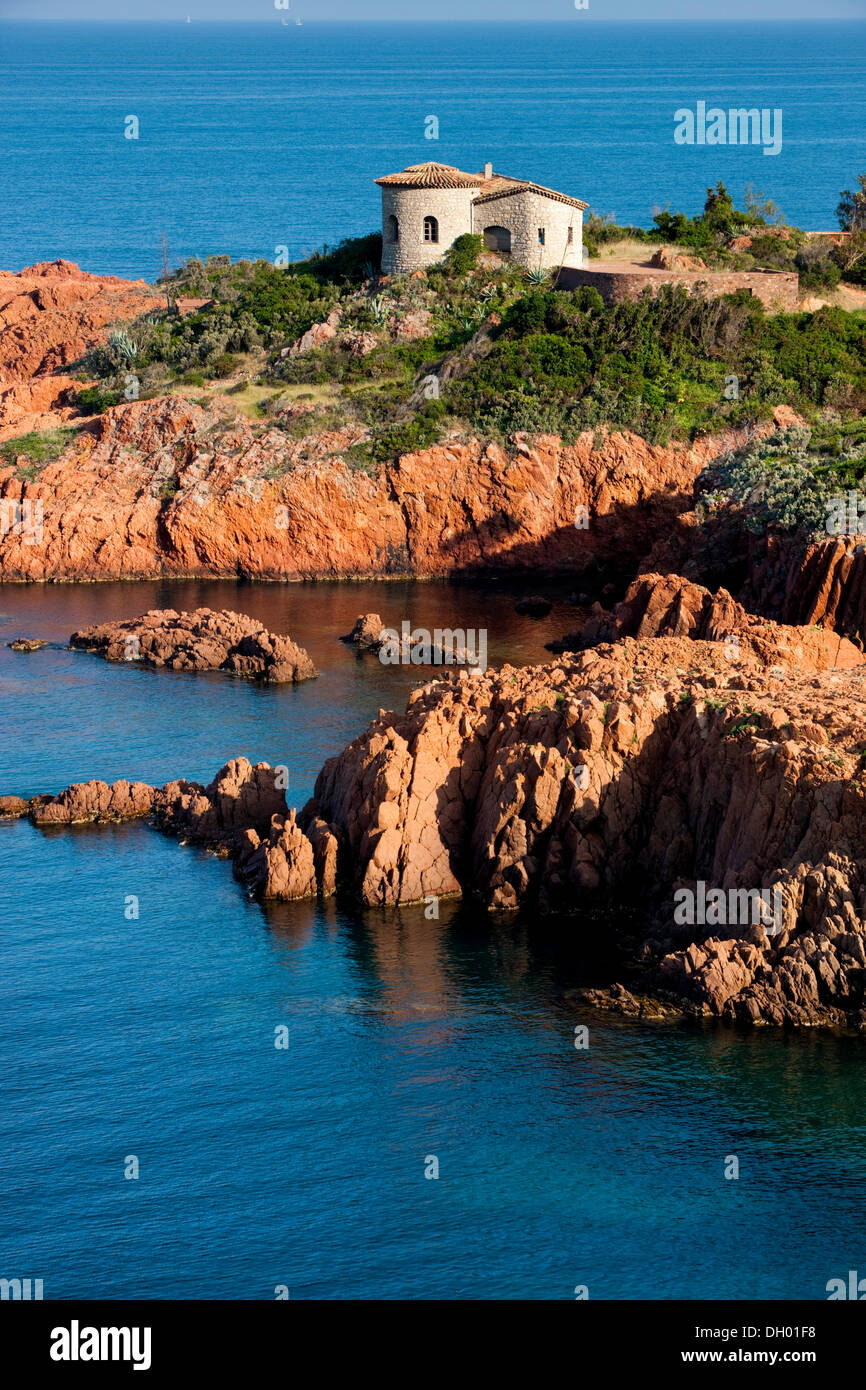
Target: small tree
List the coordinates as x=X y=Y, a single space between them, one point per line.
x=719 y=208
x=851 y=211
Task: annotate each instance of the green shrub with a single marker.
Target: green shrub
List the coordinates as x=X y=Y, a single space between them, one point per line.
x=462 y=256
x=784 y=481
x=93 y=400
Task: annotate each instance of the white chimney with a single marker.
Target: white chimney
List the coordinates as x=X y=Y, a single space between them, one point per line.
x=488 y=171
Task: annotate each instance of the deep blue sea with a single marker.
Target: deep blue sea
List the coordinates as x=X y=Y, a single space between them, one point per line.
x=267 y=135
x=409 y=1039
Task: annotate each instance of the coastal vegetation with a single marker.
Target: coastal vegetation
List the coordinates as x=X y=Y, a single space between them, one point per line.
x=475 y=346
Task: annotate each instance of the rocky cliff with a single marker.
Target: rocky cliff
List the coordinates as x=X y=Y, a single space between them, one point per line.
x=169 y=487
x=50 y=314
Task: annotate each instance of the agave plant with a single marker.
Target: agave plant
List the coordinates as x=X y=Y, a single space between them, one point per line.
x=537 y=276
x=377 y=308
x=123 y=344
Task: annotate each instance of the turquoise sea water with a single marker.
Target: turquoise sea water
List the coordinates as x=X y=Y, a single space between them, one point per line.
x=408 y=1038
x=257 y=136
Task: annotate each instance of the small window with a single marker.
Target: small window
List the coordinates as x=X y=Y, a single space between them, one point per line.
x=571 y=236
x=431 y=229
x=393 y=229
x=541 y=236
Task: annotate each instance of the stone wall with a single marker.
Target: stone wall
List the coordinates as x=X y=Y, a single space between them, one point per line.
x=523 y=213
x=777 y=289
x=452 y=208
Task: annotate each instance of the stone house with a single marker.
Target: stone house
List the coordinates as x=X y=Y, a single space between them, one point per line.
x=427 y=206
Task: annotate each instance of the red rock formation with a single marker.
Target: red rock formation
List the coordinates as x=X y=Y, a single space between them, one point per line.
x=658 y=764
x=93 y=801
x=366 y=633
x=203 y=640
x=824 y=583
x=646 y=764
x=164 y=487
x=240 y=798
x=50 y=314
x=670 y=606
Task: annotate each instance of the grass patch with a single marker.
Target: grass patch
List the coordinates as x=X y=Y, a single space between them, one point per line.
x=40 y=447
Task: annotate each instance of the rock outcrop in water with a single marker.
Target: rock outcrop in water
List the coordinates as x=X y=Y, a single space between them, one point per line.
x=204 y=640
x=94 y=801
x=663 y=765
x=651 y=764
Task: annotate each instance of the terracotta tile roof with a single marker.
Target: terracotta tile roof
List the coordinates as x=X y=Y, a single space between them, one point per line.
x=500 y=187
x=432 y=175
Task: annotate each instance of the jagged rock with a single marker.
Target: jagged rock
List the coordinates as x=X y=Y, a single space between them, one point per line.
x=26 y=644
x=654 y=763
x=241 y=797
x=12 y=807
x=668 y=605
x=258 y=502
x=318 y=335
x=50 y=314
x=647 y=764
x=283 y=866
x=366 y=633
x=203 y=640
x=93 y=801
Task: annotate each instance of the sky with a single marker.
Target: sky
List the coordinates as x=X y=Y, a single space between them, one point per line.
x=486 y=11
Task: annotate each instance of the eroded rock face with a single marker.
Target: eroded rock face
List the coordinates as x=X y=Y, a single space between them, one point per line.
x=668 y=605
x=49 y=315
x=203 y=640
x=93 y=801
x=240 y=798
x=650 y=765
x=165 y=487
x=241 y=815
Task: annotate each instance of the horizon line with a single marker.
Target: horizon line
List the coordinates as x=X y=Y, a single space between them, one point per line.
x=405 y=21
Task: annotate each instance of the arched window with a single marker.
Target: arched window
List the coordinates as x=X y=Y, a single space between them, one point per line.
x=392 y=227
x=431 y=229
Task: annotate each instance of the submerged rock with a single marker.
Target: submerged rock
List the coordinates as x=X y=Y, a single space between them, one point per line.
x=26 y=644
x=203 y=640
x=536 y=605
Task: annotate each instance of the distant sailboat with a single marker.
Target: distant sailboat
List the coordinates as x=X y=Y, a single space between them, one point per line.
x=299 y=21
x=188 y=20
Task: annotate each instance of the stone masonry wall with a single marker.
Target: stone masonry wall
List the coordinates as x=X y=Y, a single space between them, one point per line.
x=523 y=213
x=776 y=289
x=452 y=208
